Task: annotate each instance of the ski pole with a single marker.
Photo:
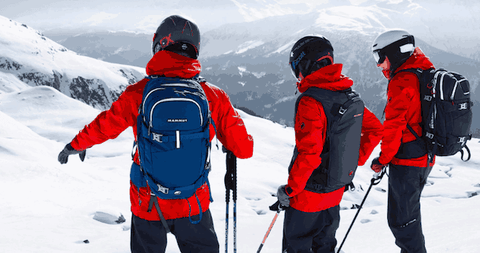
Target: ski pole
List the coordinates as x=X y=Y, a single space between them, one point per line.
x=231 y=184
x=377 y=177
x=233 y=166
x=274 y=207
x=227 y=201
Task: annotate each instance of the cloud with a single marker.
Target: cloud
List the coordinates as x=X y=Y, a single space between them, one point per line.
x=257 y=9
x=98 y=18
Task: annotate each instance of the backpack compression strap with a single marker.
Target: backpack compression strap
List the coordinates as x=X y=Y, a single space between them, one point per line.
x=154 y=201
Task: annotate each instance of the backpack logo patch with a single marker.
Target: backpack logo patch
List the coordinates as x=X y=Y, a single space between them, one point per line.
x=177 y=120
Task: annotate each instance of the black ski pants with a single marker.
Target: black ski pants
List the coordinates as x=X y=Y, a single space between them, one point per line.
x=405 y=186
x=310 y=232
x=151 y=237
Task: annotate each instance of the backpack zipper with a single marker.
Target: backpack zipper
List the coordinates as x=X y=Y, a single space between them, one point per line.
x=152 y=91
x=455 y=89
x=441 y=86
x=175 y=99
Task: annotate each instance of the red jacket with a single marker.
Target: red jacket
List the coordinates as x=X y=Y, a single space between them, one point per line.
x=403 y=106
x=310 y=130
x=123 y=113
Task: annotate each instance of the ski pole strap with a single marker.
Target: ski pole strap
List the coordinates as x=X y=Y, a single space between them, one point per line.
x=378 y=176
x=276 y=207
x=154 y=201
x=468 y=152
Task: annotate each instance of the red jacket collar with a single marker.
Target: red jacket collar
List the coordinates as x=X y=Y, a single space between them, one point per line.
x=165 y=63
x=417 y=60
x=329 y=78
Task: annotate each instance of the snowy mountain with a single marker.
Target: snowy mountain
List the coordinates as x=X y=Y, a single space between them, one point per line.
x=115 y=47
x=28 y=58
x=48 y=207
x=48 y=93
x=250 y=59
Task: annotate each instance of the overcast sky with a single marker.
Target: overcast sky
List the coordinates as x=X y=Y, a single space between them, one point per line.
x=449 y=24
x=145 y=15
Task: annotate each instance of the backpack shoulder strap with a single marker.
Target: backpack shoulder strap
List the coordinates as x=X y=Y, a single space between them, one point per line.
x=421 y=78
x=417 y=71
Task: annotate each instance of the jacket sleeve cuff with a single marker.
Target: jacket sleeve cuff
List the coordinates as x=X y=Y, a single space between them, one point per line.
x=382 y=160
x=288 y=190
x=74 y=145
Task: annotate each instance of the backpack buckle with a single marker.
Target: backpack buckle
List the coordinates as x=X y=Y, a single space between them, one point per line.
x=429 y=135
x=157 y=137
x=342 y=110
x=162 y=189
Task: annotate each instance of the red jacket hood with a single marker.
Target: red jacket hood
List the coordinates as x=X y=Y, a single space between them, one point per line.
x=329 y=78
x=166 y=63
x=417 y=60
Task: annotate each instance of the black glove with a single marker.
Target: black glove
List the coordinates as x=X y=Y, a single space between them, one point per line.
x=283 y=197
x=68 y=150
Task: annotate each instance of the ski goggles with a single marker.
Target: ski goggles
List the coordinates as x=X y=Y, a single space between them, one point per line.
x=294 y=72
x=379 y=56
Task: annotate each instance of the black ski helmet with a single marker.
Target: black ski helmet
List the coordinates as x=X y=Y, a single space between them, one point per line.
x=178 y=33
x=308 y=51
x=397 y=45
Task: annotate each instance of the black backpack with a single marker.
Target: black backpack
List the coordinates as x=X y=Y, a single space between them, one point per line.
x=344 y=112
x=446 y=113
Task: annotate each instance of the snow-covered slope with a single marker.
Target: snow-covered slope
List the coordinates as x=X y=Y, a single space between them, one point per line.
x=28 y=58
x=48 y=207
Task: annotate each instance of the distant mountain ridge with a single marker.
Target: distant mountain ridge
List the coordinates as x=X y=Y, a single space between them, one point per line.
x=250 y=60
x=28 y=58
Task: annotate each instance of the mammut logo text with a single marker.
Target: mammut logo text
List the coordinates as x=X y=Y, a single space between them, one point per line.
x=177 y=120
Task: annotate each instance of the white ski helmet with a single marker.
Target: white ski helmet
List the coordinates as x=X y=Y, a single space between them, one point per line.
x=398 y=45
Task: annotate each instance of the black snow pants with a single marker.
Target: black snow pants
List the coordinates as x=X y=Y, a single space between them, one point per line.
x=405 y=186
x=310 y=232
x=151 y=237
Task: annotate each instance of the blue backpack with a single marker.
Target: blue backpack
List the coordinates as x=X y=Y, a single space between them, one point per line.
x=173 y=137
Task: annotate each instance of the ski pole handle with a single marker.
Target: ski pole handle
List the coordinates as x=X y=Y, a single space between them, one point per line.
x=377 y=177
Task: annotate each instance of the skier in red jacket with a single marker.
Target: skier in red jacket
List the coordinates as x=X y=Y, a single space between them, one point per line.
x=175 y=50
x=405 y=156
x=311 y=217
